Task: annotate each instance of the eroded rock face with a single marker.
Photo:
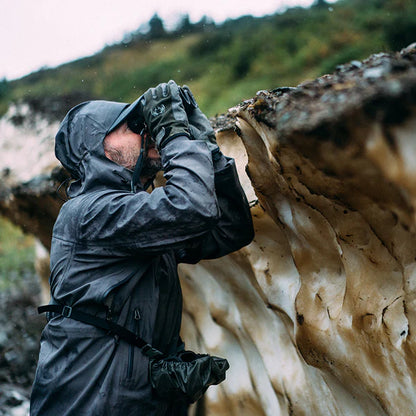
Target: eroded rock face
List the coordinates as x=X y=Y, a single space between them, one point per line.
x=317 y=314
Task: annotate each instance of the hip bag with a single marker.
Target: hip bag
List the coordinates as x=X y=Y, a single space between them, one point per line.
x=184 y=376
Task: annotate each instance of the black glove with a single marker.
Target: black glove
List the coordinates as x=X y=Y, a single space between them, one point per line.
x=164 y=113
x=199 y=125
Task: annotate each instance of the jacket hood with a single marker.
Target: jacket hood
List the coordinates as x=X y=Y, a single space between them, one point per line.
x=79 y=146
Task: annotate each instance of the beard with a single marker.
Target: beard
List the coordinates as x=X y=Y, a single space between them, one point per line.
x=150 y=167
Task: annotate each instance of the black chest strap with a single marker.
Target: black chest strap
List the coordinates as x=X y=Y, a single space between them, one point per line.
x=105 y=324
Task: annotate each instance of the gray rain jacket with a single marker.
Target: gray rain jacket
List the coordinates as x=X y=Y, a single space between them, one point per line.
x=115 y=254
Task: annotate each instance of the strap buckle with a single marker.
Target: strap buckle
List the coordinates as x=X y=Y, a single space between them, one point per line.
x=151 y=352
x=66 y=311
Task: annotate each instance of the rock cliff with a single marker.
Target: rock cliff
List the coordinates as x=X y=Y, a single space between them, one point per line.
x=317 y=315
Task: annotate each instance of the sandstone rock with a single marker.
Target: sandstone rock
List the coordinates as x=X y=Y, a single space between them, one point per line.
x=317 y=315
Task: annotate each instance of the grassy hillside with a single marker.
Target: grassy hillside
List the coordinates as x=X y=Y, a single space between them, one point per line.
x=228 y=63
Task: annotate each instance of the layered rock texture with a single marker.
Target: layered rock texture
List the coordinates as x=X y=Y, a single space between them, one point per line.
x=317 y=316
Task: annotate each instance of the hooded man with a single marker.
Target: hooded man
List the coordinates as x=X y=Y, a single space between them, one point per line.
x=115 y=247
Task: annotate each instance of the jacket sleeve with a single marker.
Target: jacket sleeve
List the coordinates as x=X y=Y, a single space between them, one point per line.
x=234 y=228
x=185 y=208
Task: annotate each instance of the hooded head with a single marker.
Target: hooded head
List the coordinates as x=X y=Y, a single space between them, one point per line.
x=79 y=146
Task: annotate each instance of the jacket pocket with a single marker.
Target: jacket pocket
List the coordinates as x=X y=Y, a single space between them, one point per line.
x=135 y=363
x=132 y=348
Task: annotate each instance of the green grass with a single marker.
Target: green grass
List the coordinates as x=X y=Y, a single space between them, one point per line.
x=17 y=256
x=232 y=61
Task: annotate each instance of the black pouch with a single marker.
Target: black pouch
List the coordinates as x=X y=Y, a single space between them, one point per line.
x=186 y=376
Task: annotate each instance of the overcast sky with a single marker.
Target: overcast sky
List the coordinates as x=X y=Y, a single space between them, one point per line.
x=37 y=33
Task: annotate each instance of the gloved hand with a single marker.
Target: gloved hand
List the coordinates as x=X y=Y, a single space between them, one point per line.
x=164 y=113
x=199 y=125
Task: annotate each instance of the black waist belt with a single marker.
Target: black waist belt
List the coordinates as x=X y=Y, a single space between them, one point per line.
x=105 y=324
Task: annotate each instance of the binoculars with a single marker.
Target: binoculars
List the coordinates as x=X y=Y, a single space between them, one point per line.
x=135 y=120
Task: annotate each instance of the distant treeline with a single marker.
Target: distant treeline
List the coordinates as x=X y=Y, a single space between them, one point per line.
x=155 y=28
x=223 y=63
x=401 y=30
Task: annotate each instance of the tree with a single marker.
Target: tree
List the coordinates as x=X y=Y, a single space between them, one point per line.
x=206 y=24
x=157 y=28
x=4 y=87
x=185 y=25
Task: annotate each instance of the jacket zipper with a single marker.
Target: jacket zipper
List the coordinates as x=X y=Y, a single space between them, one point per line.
x=137 y=317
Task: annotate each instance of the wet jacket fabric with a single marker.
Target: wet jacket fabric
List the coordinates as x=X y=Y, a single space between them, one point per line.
x=115 y=254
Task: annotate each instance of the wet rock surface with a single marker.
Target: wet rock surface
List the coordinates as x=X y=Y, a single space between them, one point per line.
x=381 y=87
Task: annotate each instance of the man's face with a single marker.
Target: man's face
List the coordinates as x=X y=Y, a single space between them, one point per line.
x=123 y=146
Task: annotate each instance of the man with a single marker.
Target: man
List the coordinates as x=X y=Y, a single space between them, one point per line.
x=115 y=247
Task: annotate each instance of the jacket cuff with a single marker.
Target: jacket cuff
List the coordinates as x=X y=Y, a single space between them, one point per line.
x=219 y=161
x=225 y=170
x=168 y=139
